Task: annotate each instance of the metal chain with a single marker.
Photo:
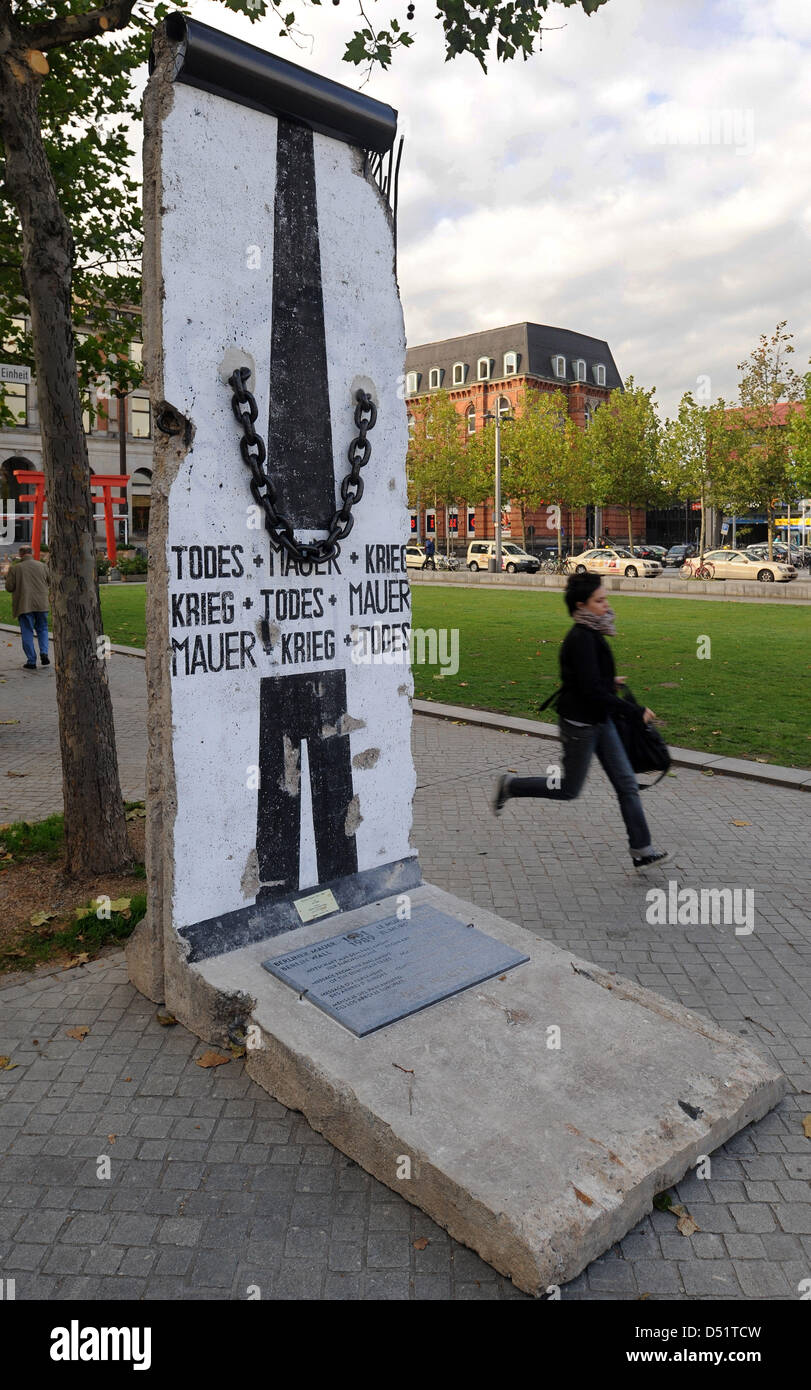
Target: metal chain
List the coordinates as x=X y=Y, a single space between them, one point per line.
x=254 y=454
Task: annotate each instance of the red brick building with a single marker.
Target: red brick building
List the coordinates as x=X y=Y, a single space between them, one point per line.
x=491 y=372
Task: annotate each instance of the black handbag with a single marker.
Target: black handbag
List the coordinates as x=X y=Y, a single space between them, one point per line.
x=644 y=745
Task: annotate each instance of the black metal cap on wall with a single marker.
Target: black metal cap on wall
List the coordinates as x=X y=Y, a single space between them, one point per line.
x=218 y=63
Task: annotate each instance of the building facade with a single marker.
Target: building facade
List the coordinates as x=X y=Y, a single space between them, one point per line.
x=108 y=452
x=490 y=373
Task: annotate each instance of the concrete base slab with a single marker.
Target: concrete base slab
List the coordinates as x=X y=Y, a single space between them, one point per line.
x=538 y=1148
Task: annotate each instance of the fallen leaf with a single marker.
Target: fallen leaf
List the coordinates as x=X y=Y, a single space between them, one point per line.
x=165 y=1019
x=807 y=1126
x=38 y=919
x=82 y=912
x=121 y=905
x=112 y=1138
x=740 y=822
x=137 y=813
x=687 y=1225
x=237 y=1050
x=211 y=1059
x=421 y=1243
x=80 y=1032
x=9 y=721
x=81 y=959
x=126 y=1078
x=6 y=1064
x=15 y=774
x=582 y=1197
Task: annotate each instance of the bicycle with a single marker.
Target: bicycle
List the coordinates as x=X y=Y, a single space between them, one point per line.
x=446 y=562
x=702 y=570
x=558 y=565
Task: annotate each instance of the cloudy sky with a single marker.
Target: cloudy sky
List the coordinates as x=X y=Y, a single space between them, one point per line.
x=646 y=179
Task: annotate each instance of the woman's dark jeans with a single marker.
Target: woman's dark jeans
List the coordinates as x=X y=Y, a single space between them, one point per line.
x=579 y=745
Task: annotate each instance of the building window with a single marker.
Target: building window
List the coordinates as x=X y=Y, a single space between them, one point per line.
x=599 y=374
x=579 y=368
x=137 y=352
x=459 y=373
x=435 y=378
x=470 y=416
x=483 y=368
x=504 y=407
x=559 y=366
x=412 y=383
x=412 y=425
x=140 y=417
x=15 y=399
x=510 y=363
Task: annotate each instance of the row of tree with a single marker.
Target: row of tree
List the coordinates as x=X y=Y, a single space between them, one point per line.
x=754 y=452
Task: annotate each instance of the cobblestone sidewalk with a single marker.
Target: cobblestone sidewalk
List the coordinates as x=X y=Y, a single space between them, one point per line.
x=214 y=1187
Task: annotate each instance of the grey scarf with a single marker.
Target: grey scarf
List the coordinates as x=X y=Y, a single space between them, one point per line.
x=604 y=624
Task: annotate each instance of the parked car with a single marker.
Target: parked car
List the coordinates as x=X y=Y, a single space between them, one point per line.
x=736 y=564
x=415 y=556
x=513 y=558
x=650 y=552
x=616 y=560
x=677 y=554
x=780 y=552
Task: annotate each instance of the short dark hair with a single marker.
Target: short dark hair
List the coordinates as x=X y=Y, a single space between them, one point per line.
x=579 y=589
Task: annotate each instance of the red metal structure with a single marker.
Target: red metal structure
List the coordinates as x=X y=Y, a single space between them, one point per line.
x=101 y=490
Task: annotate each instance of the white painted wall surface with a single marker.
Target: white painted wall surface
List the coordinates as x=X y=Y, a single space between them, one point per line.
x=218 y=198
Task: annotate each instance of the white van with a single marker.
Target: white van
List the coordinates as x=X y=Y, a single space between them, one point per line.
x=513 y=558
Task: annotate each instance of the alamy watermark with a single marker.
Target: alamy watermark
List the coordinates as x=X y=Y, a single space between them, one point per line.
x=701 y=907
x=688 y=125
x=397 y=644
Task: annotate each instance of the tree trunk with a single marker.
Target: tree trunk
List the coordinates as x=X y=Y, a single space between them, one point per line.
x=630 y=531
x=702 y=537
x=95 y=825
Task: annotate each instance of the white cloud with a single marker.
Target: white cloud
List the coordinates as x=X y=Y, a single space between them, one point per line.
x=537 y=191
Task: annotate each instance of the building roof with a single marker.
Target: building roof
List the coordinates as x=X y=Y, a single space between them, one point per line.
x=536 y=344
x=782 y=412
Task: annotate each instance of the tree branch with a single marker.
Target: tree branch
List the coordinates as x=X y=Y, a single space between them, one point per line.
x=73 y=28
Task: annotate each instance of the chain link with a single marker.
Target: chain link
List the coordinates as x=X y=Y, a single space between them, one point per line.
x=252 y=448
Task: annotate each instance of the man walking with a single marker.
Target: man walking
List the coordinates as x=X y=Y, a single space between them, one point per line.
x=27 y=582
x=430 y=551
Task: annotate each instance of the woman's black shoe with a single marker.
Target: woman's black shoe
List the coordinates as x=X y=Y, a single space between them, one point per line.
x=644 y=861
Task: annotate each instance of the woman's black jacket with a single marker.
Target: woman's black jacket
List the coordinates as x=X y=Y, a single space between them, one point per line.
x=587 y=670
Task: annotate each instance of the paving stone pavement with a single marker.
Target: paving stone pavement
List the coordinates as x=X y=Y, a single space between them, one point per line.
x=31 y=777
x=214 y=1187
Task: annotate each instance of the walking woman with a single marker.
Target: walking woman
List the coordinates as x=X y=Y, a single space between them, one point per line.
x=588 y=705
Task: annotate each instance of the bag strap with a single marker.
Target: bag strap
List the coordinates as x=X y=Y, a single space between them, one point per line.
x=645 y=786
x=551 y=699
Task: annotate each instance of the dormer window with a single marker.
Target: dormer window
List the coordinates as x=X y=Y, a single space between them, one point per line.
x=435 y=378
x=459 y=373
x=559 y=366
x=579 y=369
x=484 y=368
x=599 y=374
x=412 y=383
x=510 y=363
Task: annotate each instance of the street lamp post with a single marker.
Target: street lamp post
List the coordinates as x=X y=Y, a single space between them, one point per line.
x=488 y=415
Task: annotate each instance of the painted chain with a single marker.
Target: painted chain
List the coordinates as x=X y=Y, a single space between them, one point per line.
x=254 y=454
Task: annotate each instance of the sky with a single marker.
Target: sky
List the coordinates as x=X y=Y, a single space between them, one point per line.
x=645 y=179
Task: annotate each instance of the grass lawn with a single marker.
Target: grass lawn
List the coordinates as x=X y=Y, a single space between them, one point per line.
x=123 y=609
x=750 y=699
